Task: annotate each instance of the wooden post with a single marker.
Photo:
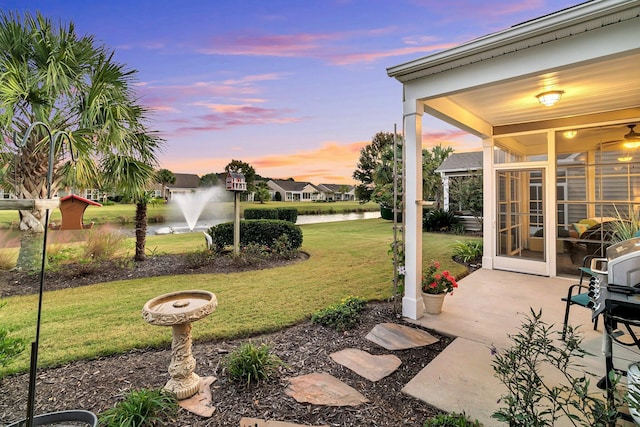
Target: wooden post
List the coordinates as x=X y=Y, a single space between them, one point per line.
x=28 y=204
x=236 y=222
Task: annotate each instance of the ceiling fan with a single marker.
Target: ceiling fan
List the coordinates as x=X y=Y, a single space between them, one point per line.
x=632 y=139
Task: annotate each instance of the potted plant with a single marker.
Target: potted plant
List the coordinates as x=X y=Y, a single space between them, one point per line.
x=436 y=285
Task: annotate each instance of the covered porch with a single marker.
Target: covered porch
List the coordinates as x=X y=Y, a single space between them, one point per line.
x=487 y=307
x=551 y=173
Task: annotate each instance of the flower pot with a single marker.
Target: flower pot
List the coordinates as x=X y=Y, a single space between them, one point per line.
x=78 y=417
x=433 y=302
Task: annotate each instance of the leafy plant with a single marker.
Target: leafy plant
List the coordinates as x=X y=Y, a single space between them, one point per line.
x=282 y=247
x=440 y=220
x=251 y=363
x=145 y=407
x=435 y=283
x=468 y=251
x=340 y=316
x=451 y=420
x=529 y=400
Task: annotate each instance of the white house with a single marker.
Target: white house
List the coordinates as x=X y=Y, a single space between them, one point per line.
x=554 y=101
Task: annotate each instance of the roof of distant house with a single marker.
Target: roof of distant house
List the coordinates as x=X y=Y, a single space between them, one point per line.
x=336 y=188
x=185 y=180
x=461 y=162
x=287 y=185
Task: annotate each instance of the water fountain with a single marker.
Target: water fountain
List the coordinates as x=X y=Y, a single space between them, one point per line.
x=191 y=205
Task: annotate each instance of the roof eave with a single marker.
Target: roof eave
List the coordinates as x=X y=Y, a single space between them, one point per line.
x=532 y=32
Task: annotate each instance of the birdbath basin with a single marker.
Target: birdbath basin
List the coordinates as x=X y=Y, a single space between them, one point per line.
x=179 y=310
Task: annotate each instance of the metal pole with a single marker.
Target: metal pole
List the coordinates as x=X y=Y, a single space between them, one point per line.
x=34 y=345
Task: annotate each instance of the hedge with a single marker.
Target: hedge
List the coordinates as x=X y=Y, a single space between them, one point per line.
x=284 y=214
x=260 y=231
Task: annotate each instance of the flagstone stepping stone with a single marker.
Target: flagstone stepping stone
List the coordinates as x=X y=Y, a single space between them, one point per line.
x=256 y=422
x=320 y=388
x=200 y=403
x=369 y=366
x=393 y=336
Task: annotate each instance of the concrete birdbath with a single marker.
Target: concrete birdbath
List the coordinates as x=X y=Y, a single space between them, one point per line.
x=179 y=310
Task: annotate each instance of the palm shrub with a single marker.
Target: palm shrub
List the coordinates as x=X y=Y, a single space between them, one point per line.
x=439 y=220
x=340 y=316
x=145 y=407
x=251 y=363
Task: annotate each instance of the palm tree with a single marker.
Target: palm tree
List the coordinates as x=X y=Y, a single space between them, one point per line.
x=164 y=177
x=50 y=74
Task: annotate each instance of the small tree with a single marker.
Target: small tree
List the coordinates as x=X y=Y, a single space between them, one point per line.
x=467 y=193
x=370 y=160
x=431 y=181
x=262 y=192
x=244 y=168
x=164 y=177
x=209 y=180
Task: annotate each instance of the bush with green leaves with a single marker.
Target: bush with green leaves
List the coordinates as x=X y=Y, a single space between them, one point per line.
x=251 y=364
x=530 y=401
x=288 y=214
x=468 y=251
x=145 y=407
x=257 y=213
x=341 y=316
x=260 y=231
x=439 y=220
x=451 y=420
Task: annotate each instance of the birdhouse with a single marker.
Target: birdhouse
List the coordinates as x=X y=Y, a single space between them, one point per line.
x=236 y=182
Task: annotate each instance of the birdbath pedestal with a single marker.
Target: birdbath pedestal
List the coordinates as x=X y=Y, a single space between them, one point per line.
x=179 y=310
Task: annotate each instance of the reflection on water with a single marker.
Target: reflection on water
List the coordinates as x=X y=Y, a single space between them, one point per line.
x=11 y=238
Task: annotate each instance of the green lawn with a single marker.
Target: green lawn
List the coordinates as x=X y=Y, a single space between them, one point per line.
x=124 y=213
x=346 y=258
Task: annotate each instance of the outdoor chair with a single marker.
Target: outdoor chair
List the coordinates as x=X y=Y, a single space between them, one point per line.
x=578 y=294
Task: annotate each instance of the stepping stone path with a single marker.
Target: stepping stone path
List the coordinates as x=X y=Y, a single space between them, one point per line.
x=398 y=337
x=323 y=389
x=373 y=368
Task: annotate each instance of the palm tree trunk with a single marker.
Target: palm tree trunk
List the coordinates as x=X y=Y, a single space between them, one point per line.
x=31 y=241
x=141 y=231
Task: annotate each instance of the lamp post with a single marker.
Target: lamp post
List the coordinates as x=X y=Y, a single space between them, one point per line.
x=34 y=345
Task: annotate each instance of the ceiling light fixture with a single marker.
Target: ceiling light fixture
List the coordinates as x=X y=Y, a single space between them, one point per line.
x=625 y=159
x=570 y=134
x=550 y=98
x=632 y=139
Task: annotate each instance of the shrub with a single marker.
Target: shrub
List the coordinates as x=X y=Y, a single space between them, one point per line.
x=468 y=251
x=340 y=316
x=532 y=402
x=260 y=231
x=7 y=260
x=439 y=220
x=252 y=363
x=252 y=254
x=288 y=214
x=197 y=259
x=451 y=420
x=255 y=213
x=139 y=408
x=103 y=244
x=282 y=247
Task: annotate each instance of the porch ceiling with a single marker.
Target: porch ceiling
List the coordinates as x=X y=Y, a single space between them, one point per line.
x=607 y=86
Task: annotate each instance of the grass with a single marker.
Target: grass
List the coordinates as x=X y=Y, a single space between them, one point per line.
x=124 y=213
x=347 y=258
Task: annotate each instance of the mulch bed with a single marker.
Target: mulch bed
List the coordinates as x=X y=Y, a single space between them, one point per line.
x=96 y=385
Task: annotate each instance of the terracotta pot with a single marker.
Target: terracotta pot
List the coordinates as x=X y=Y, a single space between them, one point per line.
x=433 y=302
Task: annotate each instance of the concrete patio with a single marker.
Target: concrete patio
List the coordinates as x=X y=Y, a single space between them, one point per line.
x=487 y=307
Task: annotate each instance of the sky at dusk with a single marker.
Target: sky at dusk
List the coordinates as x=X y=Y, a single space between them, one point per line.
x=295 y=88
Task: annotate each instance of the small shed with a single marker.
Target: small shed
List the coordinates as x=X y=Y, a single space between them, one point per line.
x=72 y=208
x=236 y=182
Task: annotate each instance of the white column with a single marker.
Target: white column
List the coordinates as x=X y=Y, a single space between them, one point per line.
x=445 y=190
x=412 y=305
x=488 y=205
